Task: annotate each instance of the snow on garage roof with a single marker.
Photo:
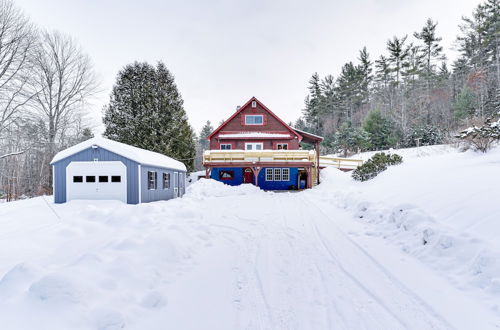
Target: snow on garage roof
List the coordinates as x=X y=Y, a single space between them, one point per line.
x=139 y=155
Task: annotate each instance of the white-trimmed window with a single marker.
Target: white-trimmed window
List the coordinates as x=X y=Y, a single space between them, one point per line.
x=277 y=174
x=151 y=180
x=282 y=146
x=254 y=120
x=269 y=174
x=225 y=146
x=254 y=146
x=285 y=174
x=166 y=180
x=254 y=104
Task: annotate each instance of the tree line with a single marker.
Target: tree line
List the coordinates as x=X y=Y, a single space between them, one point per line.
x=410 y=94
x=45 y=82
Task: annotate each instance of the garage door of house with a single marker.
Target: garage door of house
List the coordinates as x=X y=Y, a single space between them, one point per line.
x=96 y=180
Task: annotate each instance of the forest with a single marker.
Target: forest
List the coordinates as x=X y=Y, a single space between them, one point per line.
x=411 y=94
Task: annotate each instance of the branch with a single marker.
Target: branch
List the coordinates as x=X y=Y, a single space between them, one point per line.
x=15 y=153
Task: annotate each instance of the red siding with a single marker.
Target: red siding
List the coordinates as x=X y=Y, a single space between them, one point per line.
x=271 y=125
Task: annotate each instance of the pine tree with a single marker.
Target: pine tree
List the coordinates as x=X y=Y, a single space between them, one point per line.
x=398 y=52
x=366 y=69
x=146 y=111
x=381 y=129
x=206 y=130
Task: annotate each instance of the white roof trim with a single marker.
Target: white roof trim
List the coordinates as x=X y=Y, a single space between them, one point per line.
x=254 y=135
x=142 y=156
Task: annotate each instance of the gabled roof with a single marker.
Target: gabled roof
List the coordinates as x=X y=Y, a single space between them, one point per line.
x=142 y=156
x=265 y=108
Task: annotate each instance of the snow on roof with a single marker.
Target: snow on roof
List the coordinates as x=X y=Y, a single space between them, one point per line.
x=139 y=155
x=304 y=132
x=254 y=135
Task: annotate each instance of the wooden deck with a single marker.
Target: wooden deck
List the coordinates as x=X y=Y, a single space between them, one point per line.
x=260 y=156
x=345 y=164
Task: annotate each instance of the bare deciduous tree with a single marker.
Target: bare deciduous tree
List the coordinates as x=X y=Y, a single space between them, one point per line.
x=65 y=80
x=17 y=42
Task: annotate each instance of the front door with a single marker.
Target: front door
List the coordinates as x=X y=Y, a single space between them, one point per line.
x=247 y=175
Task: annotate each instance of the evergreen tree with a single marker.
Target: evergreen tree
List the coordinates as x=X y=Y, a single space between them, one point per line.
x=431 y=48
x=206 y=130
x=366 y=69
x=146 y=111
x=398 y=52
x=381 y=129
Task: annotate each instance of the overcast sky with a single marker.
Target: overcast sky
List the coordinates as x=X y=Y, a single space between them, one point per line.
x=224 y=52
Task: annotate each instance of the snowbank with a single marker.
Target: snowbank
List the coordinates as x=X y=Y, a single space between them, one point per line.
x=442 y=208
x=212 y=188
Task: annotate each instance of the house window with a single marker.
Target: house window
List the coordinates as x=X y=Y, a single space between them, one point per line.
x=225 y=146
x=254 y=119
x=166 y=180
x=116 y=178
x=254 y=146
x=90 y=178
x=277 y=174
x=285 y=174
x=78 y=179
x=254 y=104
x=269 y=174
x=103 y=178
x=151 y=180
x=226 y=175
x=282 y=146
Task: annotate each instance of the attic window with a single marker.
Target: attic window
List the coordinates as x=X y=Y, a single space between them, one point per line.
x=254 y=104
x=254 y=120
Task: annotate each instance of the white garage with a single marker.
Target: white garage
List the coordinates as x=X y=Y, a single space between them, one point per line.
x=96 y=180
x=102 y=169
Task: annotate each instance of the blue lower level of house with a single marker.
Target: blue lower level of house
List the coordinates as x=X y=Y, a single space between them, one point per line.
x=276 y=178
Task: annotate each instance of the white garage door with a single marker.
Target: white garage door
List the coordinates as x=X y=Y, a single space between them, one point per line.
x=96 y=180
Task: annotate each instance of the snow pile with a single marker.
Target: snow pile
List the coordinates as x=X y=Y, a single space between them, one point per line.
x=442 y=209
x=211 y=188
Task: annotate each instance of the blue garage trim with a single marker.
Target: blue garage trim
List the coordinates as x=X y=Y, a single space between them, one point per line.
x=88 y=155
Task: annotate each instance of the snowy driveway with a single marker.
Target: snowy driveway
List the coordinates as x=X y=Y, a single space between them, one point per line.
x=250 y=261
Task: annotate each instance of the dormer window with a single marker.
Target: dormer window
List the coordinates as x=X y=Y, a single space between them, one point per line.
x=254 y=120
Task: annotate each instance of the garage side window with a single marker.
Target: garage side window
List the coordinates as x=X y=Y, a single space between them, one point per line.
x=78 y=179
x=151 y=180
x=166 y=180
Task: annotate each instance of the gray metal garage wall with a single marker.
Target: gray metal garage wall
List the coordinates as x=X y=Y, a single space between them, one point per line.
x=88 y=155
x=159 y=193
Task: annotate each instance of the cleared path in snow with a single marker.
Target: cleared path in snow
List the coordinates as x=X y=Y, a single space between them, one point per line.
x=294 y=269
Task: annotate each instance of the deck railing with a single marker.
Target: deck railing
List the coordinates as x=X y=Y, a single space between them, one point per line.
x=342 y=163
x=217 y=156
x=234 y=156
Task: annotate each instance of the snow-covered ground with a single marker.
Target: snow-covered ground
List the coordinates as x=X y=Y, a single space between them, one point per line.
x=414 y=248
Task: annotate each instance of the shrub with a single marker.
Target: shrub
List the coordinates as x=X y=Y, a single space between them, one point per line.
x=376 y=164
x=481 y=138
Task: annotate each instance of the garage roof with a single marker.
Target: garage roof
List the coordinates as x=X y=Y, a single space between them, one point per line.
x=139 y=155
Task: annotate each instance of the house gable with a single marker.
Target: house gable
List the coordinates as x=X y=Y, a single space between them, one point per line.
x=256 y=123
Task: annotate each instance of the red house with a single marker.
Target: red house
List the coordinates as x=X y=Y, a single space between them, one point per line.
x=256 y=146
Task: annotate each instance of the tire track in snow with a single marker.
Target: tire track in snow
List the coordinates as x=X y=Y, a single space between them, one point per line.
x=442 y=323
